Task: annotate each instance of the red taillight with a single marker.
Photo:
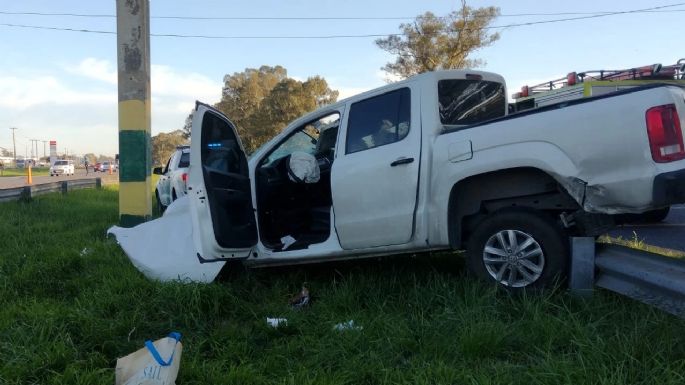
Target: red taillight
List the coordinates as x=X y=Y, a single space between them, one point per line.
x=184 y=177
x=524 y=91
x=665 y=135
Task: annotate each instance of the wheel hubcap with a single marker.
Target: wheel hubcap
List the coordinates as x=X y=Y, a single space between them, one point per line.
x=513 y=258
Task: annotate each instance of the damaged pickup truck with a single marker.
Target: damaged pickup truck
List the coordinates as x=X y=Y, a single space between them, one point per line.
x=434 y=162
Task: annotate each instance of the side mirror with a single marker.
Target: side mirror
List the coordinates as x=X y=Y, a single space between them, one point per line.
x=157 y=171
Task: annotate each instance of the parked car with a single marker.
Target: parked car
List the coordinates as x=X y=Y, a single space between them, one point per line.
x=173 y=180
x=434 y=162
x=62 y=167
x=97 y=167
x=105 y=166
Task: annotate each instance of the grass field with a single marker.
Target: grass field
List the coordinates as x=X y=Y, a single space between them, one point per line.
x=36 y=171
x=71 y=303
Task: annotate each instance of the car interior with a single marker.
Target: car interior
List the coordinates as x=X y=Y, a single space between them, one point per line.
x=227 y=183
x=294 y=214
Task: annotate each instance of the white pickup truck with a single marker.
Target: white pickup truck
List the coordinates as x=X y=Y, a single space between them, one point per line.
x=434 y=162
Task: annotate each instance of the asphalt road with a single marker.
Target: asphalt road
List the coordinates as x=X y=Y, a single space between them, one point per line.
x=19 y=181
x=669 y=234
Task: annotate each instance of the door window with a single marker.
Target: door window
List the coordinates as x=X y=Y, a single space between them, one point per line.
x=378 y=121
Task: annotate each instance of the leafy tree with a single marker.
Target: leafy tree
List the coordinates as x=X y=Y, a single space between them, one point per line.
x=261 y=102
x=5 y=152
x=433 y=43
x=188 y=125
x=92 y=159
x=164 y=144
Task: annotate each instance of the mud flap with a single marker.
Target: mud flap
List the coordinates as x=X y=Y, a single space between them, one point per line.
x=163 y=248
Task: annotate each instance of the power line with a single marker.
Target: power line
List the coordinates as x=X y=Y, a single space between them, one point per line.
x=594 y=16
x=301 y=18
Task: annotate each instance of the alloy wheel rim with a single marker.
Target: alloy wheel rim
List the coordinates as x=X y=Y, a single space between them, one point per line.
x=513 y=258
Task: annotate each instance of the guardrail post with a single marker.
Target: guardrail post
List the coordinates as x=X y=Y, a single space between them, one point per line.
x=65 y=187
x=26 y=194
x=98 y=183
x=582 y=275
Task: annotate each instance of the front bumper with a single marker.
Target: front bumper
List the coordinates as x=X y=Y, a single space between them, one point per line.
x=669 y=188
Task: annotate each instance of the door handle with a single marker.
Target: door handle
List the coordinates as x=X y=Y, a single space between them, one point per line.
x=400 y=161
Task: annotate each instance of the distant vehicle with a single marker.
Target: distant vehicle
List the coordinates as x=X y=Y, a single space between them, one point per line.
x=97 y=167
x=20 y=163
x=104 y=167
x=62 y=167
x=173 y=182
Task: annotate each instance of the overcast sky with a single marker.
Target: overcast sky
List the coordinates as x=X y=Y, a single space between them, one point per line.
x=61 y=85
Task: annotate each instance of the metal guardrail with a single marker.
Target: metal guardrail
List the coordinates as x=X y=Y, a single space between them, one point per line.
x=28 y=192
x=650 y=278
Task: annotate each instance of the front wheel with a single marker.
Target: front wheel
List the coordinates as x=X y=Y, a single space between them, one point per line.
x=518 y=249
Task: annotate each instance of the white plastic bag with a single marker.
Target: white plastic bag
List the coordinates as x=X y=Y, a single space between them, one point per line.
x=155 y=364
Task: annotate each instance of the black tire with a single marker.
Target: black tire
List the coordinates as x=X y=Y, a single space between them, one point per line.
x=548 y=236
x=160 y=206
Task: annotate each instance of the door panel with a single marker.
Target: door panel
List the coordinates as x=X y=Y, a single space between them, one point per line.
x=219 y=188
x=375 y=182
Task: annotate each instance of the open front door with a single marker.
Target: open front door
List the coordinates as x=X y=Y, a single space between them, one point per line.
x=219 y=190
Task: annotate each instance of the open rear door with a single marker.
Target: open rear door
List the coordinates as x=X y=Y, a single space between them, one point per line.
x=219 y=189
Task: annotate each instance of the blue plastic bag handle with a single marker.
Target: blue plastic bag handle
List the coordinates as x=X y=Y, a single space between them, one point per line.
x=155 y=354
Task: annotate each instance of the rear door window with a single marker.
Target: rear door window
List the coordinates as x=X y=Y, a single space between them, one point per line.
x=466 y=101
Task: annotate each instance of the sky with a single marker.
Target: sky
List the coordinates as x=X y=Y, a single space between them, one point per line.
x=61 y=85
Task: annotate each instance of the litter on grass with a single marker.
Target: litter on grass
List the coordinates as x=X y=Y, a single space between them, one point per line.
x=301 y=299
x=349 y=325
x=276 y=322
x=84 y=252
x=157 y=363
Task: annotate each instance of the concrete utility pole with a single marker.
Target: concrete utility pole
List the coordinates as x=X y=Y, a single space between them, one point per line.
x=135 y=157
x=44 y=152
x=14 y=144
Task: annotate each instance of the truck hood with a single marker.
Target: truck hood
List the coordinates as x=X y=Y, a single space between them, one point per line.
x=163 y=249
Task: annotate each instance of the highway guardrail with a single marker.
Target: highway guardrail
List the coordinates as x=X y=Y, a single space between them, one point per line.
x=28 y=192
x=650 y=278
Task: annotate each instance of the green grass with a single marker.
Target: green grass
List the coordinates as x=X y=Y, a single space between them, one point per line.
x=35 y=171
x=71 y=303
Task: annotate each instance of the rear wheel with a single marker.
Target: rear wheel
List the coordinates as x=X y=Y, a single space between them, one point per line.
x=518 y=249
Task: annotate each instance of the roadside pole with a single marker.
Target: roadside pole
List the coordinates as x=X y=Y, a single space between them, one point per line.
x=135 y=158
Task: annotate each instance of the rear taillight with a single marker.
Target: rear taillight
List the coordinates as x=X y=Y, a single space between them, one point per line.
x=665 y=135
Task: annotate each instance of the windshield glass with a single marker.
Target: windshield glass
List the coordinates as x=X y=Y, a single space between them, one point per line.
x=61 y=163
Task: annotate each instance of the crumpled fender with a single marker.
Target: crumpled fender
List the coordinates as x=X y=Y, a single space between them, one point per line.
x=163 y=248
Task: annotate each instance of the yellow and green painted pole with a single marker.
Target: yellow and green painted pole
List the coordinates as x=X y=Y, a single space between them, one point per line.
x=135 y=158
